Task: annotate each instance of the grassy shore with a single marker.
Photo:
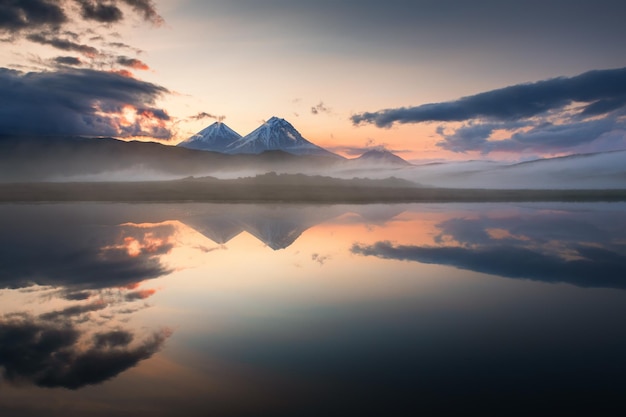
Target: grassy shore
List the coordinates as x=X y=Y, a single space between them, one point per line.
x=252 y=190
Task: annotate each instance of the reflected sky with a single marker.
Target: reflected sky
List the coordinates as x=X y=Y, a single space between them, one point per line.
x=205 y=309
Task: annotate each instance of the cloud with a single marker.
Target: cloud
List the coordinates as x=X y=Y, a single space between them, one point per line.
x=63 y=44
x=117 y=338
x=133 y=63
x=100 y=12
x=320 y=259
x=80 y=102
x=602 y=91
x=205 y=115
x=139 y=295
x=72 y=311
x=147 y=9
x=54 y=355
x=551 y=116
x=122 y=45
x=546 y=137
x=68 y=60
x=320 y=108
x=33 y=14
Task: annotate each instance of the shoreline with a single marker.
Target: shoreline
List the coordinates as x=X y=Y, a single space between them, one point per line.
x=229 y=192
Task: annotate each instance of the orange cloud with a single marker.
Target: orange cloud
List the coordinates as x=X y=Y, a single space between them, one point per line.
x=133 y=63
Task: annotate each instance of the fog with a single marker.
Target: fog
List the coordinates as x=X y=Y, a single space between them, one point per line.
x=593 y=171
x=75 y=159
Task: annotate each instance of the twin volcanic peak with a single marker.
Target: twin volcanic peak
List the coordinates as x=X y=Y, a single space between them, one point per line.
x=274 y=134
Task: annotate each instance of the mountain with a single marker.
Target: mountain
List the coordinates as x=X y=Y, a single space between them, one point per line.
x=276 y=134
x=381 y=157
x=74 y=158
x=216 y=138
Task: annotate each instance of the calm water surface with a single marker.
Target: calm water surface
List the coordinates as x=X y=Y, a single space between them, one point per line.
x=243 y=310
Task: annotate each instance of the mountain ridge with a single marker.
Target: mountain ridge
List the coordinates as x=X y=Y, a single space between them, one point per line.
x=274 y=134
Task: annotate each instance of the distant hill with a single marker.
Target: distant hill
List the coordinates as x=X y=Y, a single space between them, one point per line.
x=62 y=158
x=273 y=188
x=381 y=157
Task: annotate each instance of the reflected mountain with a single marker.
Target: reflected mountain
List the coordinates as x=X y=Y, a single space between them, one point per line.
x=573 y=247
x=277 y=227
x=77 y=282
x=95 y=246
x=83 y=272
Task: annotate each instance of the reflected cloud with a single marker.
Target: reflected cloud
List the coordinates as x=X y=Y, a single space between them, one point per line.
x=577 y=248
x=82 y=278
x=82 y=256
x=53 y=355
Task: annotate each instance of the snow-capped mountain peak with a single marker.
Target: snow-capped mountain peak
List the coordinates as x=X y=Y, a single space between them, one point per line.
x=276 y=134
x=216 y=137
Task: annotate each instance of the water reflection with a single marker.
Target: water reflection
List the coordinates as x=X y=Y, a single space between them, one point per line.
x=71 y=287
x=51 y=350
x=574 y=247
x=203 y=309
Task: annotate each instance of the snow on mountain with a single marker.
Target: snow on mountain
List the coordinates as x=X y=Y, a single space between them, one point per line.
x=276 y=134
x=381 y=157
x=216 y=137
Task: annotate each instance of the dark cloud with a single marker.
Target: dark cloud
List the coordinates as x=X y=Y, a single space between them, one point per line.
x=63 y=44
x=122 y=45
x=133 y=63
x=602 y=91
x=73 y=311
x=100 y=12
x=76 y=295
x=31 y=14
x=320 y=108
x=147 y=9
x=549 y=116
x=80 y=102
x=545 y=137
x=50 y=355
x=204 y=115
x=117 y=338
x=68 y=60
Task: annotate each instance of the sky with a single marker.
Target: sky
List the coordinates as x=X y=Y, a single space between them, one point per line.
x=426 y=79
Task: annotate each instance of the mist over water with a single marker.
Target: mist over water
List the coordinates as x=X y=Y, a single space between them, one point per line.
x=222 y=309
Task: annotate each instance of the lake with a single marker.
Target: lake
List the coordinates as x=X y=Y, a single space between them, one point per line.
x=247 y=310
